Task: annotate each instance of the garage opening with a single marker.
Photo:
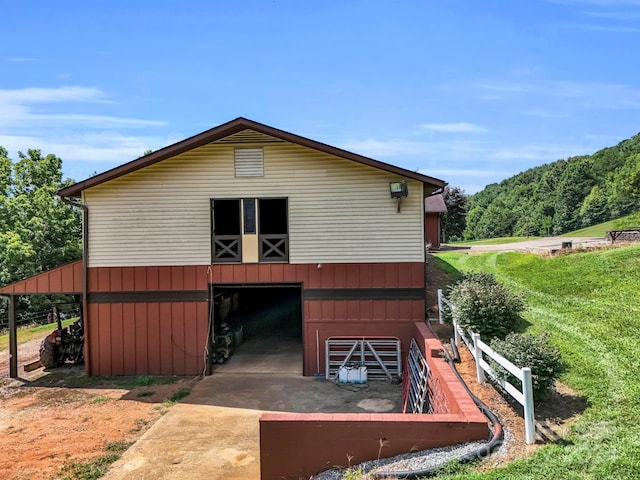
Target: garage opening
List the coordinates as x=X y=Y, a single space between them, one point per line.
x=257 y=328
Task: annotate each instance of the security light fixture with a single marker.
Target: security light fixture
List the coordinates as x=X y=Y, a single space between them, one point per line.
x=398 y=190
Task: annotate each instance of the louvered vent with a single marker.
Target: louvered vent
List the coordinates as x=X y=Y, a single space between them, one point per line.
x=249 y=162
x=249 y=136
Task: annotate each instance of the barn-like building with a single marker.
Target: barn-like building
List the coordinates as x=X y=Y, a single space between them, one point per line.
x=248 y=229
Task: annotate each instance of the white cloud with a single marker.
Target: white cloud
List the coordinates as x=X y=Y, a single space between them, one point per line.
x=460 y=127
x=109 y=147
x=482 y=173
x=71 y=122
x=96 y=121
x=624 y=16
x=609 y=28
x=380 y=149
x=602 y=3
x=535 y=154
x=546 y=113
x=20 y=59
x=50 y=95
x=571 y=94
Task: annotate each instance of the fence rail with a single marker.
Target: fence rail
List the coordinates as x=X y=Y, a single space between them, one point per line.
x=479 y=349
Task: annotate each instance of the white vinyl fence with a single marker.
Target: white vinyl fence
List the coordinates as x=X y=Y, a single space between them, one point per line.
x=478 y=349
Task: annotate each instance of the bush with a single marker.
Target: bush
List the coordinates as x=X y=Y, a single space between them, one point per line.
x=535 y=352
x=484 y=306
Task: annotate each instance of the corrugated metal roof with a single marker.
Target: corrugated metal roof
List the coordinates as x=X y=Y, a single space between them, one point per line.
x=435 y=204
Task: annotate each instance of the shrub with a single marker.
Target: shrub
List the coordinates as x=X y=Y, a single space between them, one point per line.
x=535 y=352
x=485 y=306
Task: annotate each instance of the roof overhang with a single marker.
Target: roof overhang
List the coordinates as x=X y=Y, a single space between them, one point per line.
x=435 y=204
x=229 y=128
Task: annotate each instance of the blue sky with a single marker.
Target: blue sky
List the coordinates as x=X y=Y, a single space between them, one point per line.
x=468 y=91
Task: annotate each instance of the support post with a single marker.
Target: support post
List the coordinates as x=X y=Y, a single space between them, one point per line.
x=13 y=338
x=477 y=352
x=440 y=319
x=527 y=391
x=456 y=332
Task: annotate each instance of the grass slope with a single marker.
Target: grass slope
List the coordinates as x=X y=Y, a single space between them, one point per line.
x=588 y=302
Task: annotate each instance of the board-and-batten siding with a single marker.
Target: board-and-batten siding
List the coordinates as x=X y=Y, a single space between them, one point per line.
x=339 y=211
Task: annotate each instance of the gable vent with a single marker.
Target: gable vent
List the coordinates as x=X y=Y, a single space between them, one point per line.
x=249 y=162
x=249 y=136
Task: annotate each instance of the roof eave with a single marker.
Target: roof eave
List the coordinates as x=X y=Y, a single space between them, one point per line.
x=225 y=130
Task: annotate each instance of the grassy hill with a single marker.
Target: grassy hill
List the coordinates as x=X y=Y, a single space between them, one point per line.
x=588 y=303
x=600 y=230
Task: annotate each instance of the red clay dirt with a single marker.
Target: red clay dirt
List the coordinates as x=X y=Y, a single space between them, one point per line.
x=55 y=418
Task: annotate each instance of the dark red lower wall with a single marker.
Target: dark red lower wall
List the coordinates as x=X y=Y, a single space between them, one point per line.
x=155 y=338
x=432 y=229
x=360 y=318
x=153 y=320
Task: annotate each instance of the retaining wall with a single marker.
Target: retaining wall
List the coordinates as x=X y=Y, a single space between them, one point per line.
x=294 y=446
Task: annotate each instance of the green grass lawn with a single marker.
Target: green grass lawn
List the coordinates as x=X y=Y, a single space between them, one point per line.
x=588 y=302
x=601 y=229
x=27 y=334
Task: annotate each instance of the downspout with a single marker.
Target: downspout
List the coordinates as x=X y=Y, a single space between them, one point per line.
x=85 y=276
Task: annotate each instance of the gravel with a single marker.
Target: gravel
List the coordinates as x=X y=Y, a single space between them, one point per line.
x=422 y=460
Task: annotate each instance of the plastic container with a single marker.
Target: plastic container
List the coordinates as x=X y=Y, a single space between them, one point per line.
x=352 y=374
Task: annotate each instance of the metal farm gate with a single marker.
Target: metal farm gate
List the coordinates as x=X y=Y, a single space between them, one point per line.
x=381 y=356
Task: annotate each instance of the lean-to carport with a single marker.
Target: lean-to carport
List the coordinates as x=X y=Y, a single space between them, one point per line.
x=67 y=279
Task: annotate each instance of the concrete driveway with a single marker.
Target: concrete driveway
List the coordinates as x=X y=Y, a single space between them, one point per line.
x=214 y=432
x=195 y=441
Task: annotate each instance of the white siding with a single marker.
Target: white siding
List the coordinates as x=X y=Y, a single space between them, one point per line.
x=339 y=211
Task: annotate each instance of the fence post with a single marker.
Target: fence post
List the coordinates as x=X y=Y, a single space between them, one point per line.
x=477 y=352
x=527 y=391
x=440 y=306
x=456 y=332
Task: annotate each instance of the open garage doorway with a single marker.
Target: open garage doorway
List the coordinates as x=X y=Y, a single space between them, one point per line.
x=257 y=328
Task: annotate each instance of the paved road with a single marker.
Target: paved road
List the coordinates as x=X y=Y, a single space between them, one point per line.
x=539 y=244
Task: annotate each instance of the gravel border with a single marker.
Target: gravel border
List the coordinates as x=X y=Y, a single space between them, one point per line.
x=424 y=459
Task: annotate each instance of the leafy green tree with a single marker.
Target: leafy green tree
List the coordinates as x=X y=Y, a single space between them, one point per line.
x=575 y=184
x=561 y=196
x=594 y=207
x=37 y=230
x=454 y=219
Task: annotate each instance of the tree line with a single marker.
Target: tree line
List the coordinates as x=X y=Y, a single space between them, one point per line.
x=552 y=199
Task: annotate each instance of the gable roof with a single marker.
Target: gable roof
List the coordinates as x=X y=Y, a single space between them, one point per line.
x=225 y=130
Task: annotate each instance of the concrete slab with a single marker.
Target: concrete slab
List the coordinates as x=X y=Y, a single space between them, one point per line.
x=265 y=355
x=214 y=432
x=195 y=442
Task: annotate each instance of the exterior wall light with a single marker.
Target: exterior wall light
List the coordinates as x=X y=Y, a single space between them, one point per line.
x=398 y=190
